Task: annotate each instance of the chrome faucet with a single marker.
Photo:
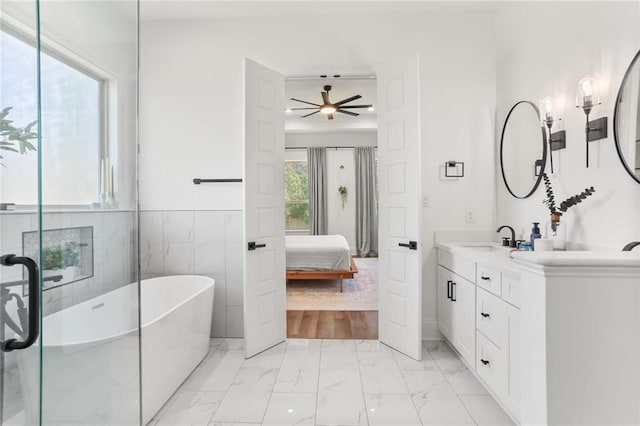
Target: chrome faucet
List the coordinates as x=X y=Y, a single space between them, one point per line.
x=631 y=245
x=511 y=243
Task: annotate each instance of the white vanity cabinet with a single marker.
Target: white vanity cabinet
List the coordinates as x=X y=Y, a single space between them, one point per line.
x=556 y=334
x=498 y=348
x=456 y=310
x=478 y=313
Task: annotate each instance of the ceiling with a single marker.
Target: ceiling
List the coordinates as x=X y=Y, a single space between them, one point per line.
x=309 y=89
x=162 y=10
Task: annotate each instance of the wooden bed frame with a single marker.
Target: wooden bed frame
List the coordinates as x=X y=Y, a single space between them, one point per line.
x=324 y=275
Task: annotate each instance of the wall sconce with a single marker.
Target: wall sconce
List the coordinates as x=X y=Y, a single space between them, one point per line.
x=587 y=98
x=557 y=140
x=454 y=169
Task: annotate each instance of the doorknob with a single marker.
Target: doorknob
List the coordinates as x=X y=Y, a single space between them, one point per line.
x=34 y=302
x=413 y=245
x=252 y=245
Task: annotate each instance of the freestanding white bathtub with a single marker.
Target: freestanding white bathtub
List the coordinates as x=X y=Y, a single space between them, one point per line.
x=90 y=352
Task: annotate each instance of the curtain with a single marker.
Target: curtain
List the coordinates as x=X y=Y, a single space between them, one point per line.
x=366 y=202
x=317 y=167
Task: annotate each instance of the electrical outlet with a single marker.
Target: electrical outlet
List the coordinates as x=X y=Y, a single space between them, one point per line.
x=471 y=216
x=425 y=201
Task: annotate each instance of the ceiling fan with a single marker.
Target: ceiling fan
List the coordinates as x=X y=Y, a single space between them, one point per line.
x=330 y=108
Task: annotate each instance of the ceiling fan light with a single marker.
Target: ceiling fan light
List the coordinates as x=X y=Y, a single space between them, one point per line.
x=328 y=109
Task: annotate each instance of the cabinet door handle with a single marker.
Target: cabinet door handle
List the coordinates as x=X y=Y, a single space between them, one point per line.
x=485 y=278
x=449 y=289
x=484 y=361
x=453 y=294
x=485 y=314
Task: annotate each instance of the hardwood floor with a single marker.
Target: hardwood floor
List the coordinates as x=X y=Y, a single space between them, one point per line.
x=332 y=324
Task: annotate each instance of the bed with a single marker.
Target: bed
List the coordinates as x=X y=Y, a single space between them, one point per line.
x=319 y=257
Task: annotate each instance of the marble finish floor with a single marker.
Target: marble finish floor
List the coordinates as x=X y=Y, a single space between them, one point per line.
x=330 y=382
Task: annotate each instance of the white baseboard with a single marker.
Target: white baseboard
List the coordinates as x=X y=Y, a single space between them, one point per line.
x=430 y=330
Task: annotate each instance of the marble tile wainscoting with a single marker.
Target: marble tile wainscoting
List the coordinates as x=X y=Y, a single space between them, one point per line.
x=200 y=242
x=113 y=256
x=328 y=382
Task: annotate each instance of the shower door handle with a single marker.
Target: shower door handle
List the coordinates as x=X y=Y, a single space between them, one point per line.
x=34 y=302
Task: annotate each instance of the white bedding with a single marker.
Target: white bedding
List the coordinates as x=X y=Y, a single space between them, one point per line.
x=317 y=253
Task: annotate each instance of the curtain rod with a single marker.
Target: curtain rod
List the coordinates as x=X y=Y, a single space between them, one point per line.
x=329 y=147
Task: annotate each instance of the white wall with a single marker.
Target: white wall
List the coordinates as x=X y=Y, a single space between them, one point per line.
x=192 y=113
x=543 y=50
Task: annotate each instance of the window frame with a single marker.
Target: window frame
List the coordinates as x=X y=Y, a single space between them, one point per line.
x=296 y=231
x=107 y=89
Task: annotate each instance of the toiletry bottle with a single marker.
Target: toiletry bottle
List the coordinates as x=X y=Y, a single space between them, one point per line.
x=535 y=233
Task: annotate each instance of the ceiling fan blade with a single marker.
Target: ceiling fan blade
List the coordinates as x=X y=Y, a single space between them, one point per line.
x=315 y=112
x=329 y=116
x=304 y=102
x=347 y=112
x=325 y=97
x=356 y=106
x=344 y=101
x=298 y=109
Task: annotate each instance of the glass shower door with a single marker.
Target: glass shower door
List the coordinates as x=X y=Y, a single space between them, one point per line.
x=69 y=202
x=20 y=360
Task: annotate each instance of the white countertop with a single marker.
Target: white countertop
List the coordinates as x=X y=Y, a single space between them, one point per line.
x=580 y=258
x=489 y=253
x=506 y=257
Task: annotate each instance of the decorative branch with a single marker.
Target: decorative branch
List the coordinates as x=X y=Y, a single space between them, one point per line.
x=550 y=201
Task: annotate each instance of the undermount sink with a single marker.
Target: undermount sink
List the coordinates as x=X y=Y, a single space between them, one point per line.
x=484 y=248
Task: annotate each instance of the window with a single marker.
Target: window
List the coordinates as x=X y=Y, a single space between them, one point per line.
x=296 y=196
x=72 y=126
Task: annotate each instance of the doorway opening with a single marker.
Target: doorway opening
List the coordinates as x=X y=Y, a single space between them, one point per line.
x=322 y=302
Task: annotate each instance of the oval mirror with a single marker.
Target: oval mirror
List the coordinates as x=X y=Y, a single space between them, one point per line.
x=523 y=150
x=626 y=120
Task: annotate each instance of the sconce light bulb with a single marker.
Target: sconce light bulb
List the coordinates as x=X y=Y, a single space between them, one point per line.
x=587 y=92
x=287 y=110
x=587 y=87
x=547 y=106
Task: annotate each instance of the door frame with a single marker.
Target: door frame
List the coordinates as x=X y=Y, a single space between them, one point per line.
x=379 y=254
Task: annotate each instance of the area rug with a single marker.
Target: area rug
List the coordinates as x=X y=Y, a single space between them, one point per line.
x=360 y=293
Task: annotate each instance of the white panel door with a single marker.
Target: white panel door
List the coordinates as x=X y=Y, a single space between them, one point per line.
x=400 y=273
x=264 y=270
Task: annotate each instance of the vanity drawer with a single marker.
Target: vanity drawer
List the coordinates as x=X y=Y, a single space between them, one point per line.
x=511 y=288
x=491 y=318
x=460 y=265
x=489 y=279
x=491 y=364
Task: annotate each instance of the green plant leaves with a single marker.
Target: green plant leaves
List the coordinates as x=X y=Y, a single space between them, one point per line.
x=15 y=139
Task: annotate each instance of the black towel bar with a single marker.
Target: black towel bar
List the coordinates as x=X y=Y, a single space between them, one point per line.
x=198 y=181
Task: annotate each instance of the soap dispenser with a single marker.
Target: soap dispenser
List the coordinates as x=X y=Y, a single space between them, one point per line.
x=535 y=233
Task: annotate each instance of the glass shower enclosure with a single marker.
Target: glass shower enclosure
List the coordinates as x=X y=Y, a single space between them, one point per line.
x=69 y=289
